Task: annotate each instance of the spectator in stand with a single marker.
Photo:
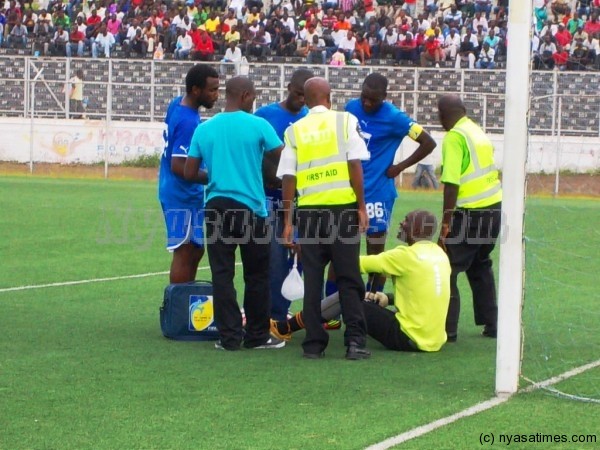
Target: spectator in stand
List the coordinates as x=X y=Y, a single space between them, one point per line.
x=454 y=15
x=558 y=8
x=480 y=36
x=316 y=51
x=407 y=49
x=373 y=39
x=18 y=35
x=543 y=58
x=575 y=23
x=218 y=39
x=233 y=55
x=389 y=43
x=486 y=57
x=62 y=20
x=411 y=7
x=204 y=50
x=287 y=43
x=330 y=19
x=93 y=24
x=362 y=49
x=184 y=45
x=580 y=34
x=76 y=40
x=478 y=20
x=103 y=43
x=258 y=47
x=432 y=51
x=29 y=20
x=593 y=46
x=431 y=7
x=43 y=25
x=483 y=6
x=452 y=44
x=592 y=26
x=233 y=35
x=563 y=37
x=347 y=45
x=113 y=25
x=467 y=50
x=149 y=33
x=578 y=59
x=492 y=40
x=58 y=44
x=136 y=43
x=212 y=22
x=75 y=94
x=561 y=57
x=583 y=7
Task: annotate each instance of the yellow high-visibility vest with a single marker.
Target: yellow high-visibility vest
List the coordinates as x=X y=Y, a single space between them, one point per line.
x=479 y=183
x=322 y=176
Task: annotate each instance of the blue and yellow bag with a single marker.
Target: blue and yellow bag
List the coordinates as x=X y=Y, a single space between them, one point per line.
x=187 y=312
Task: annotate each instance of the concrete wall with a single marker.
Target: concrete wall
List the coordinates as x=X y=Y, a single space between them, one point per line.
x=88 y=141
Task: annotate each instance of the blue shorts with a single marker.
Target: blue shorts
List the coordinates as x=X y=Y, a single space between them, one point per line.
x=380 y=215
x=183 y=225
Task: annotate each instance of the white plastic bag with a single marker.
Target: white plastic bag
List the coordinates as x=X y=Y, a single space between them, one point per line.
x=293 y=285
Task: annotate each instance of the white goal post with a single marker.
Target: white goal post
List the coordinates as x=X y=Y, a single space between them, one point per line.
x=511 y=270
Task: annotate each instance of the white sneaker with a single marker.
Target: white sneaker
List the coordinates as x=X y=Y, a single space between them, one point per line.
x=273 y=342
x=437 y=66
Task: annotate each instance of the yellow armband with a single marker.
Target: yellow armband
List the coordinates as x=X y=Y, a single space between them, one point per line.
x=415 y=131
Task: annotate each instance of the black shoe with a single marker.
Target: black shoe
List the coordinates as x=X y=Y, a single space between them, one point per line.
x=451 y=337
x=355 y=352
x=489 y=331
x=313 y=355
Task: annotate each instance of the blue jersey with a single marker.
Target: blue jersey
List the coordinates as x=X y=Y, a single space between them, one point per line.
x=232 y=145
x=280 y=119
x=383 y=131
x=180 y=123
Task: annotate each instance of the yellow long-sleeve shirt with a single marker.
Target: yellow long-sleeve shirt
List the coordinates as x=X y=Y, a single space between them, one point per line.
x=421 y=277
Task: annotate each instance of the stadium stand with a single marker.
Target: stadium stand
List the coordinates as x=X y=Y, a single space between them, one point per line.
x=140 y=90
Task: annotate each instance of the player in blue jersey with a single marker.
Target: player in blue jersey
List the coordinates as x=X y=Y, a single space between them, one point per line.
x=182 y=201
x=281 y=115
x=383 y=127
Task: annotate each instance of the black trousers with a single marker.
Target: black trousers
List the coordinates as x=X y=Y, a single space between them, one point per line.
x=384 y=328
x=471 y=239
x=330 y=234
x=230 y=224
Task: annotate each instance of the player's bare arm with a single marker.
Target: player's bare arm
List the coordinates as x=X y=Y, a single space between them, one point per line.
x=426 y=146
x=450 y=198
x=192 y=172
x=288 y=192
x=356 y=180
x=269 y=168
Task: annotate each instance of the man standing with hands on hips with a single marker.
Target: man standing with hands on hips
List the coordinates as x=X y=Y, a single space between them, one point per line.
x=472 y=212
x=322 y=160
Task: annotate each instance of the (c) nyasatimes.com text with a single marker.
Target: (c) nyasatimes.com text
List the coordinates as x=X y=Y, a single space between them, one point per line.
x=490 y=439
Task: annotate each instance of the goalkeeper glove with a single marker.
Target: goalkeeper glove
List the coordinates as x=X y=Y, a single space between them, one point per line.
x=378 y=298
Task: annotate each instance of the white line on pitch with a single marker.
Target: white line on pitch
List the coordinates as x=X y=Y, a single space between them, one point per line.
x=475 y=409
x=92 y=280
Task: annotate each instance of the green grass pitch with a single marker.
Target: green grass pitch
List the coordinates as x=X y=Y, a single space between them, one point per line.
x=85 y=366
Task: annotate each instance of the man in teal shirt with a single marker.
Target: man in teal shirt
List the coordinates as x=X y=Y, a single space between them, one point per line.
x=232 y=145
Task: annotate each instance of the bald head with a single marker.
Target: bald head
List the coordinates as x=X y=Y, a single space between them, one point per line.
x=239 y=94
x=317 y=92
x=450 y=110
x=236 y=86
x=418 y=225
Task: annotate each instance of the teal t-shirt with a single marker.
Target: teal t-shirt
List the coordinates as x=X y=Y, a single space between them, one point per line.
x=232 y=145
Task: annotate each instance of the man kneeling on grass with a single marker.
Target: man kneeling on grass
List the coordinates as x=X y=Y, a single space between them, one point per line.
x=421 y=277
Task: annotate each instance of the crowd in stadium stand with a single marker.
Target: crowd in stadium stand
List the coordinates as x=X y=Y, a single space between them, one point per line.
x=471 y=33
